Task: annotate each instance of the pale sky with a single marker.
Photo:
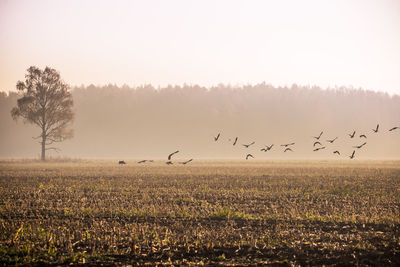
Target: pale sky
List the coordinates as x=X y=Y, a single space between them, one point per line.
x=325 y=43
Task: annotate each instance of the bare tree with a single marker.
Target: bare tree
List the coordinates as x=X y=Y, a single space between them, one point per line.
x=46 y=102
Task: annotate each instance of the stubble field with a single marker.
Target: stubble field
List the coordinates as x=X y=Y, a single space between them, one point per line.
x=223 y=212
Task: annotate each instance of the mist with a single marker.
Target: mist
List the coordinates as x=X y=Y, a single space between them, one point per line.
x=148 y=123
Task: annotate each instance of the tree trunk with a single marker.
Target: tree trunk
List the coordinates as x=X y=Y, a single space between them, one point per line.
x=43 y=147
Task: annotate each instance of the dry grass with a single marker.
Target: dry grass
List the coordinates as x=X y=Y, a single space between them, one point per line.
x=223 y=212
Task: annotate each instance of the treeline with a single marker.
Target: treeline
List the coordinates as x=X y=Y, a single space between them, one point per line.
x=148 y=122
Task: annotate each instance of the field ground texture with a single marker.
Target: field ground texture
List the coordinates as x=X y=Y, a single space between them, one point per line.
x=222 y=212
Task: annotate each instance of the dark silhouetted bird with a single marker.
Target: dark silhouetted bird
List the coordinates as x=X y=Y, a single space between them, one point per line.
x=142 y=161
x=121 y=162
x=363 y=136
x=319 y=148
x=247 y=146
x=216 y=138
x=352 y=155
x=263 y=149
x=270 y=147
x=170 y=155
x=353 y=134
x=377 y=128
x=331 y=141
x=317 y=143
x=286 y=145
x=394 y=128
x=186 y=162
x=288 y=149
x=336 y=152
x=360 y=146
x=234 y=143
x=168 y=162
x=248 y=156
x=319 y=136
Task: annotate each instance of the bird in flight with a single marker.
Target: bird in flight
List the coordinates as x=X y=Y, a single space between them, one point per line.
x=317 y=143
x=394 y=128
x=216 y=137
x=363 y=136
x=360 y=146
x=377 y=128
x=336 y=152
x=186 y=162
x=333 y=140
x=173 y=153
x=352 y=155
x=319 y=136
x=248 y=156
x=286 y=145
x=288 y=149
x=234 y=143
x=168 y=162
x=319 y=148
x=352 y=135
x=247 y=146
x=267 y=148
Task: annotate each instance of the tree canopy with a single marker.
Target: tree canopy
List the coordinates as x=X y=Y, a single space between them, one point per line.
x=47 y=103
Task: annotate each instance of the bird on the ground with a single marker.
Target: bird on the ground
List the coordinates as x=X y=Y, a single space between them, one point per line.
x=288 y=149
x=352 y=135
x=168 y=162
x=333 y=140
x=247 y=146
x=352 y=155
x=286 y=145
x=336 y=152
x=319 y=148
x=234 y=143
x=186 y=162
x=121 y=162
x=173 y=153
x=216 y=138
x=377 y=128
x=317 y=143
x=363 y=136
x=394 y=128
x=248 y=156
x=319 y=136
x=146 y=160
x=360 y=146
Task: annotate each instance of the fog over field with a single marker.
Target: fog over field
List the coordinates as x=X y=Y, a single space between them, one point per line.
x=148 y=123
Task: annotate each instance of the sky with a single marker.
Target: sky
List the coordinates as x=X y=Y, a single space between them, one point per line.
x=353 y=43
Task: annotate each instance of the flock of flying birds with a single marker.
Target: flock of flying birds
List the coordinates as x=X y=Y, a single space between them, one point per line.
x=287 y=147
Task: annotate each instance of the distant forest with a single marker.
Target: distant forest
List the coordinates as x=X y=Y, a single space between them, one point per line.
x=146 y=122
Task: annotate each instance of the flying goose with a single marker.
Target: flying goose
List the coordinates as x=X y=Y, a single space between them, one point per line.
x=394 y=128
x=377 y=128
x=319 y=136
x=286 y=145
x=234 y=143
x=216 y=138
x=360 y=146
x=363 y=136
x=319 y=148
x=170 y=155
x=247 y=146
x=288 y=149
x=352 y=135
x=186 y=162
x=333 y=140
x=317 y=143
x=248 y=156
x=352 y=155
x=336 y=152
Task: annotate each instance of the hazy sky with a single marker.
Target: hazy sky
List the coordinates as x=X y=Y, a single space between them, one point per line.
x=326 y=43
